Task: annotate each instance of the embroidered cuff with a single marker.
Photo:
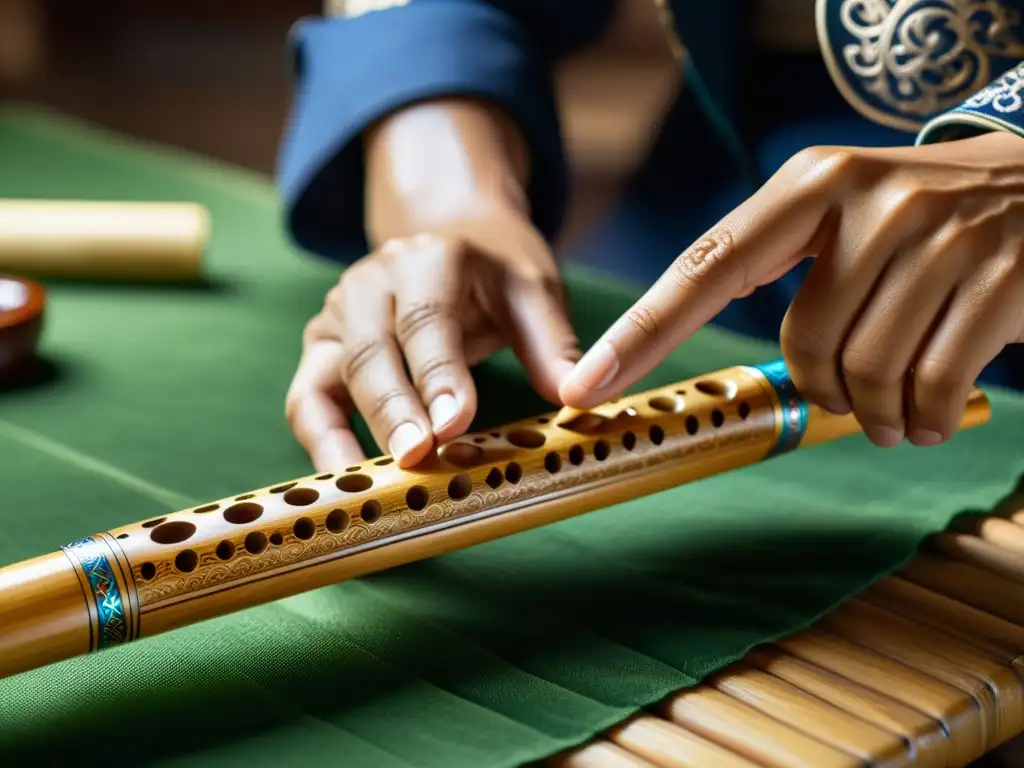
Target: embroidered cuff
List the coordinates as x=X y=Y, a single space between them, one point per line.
x=996 y=107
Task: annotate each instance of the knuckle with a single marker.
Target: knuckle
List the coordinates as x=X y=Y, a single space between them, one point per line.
x=643 y=319
x=357 y=356
x=291 y=408
x=435 y=372
x=383 y=405
x=420 y=315
x=868 y=370
x=701 y=258
x=939 y=378
x=825 y=164
x=423 y=245
x=804 y=346
x=910 y=201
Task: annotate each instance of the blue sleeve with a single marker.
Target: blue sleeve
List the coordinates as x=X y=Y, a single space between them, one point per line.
x=350 y=72
x=996 y=107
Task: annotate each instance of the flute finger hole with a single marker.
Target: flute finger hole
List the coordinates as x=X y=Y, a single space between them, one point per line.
x=552 y=462
x=416 y=498
x=255 y=542
x=244 y=496
x=513 y=472
x=526 y=438
x=726 y=389
x=276 y=539
x=666 y=404
x=717 y=418
x=147 y=571
x=240 y=514
x=186 y=561
x=301 y=497
x=328 y=476
x=459 y=487
x=602 y=450
x=585 y=423
x=744 y=410
x=337 y=521
x=354 y=483
x=207 y=508
x=282 y=488
x=494 y=478
x=628 y=441
x=153 y=523
x=383 y=462
x=371 y=511
x=692 y=425
x=304 y=528
x=576 y=455
x=657 y=434
x=225 y=550
x=356 y=468
x=462 y=455
x=173 y=532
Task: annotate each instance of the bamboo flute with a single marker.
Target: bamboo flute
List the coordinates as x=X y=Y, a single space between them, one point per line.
x=103 y=240
x=200 y=563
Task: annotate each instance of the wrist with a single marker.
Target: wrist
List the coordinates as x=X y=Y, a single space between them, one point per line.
x=440 y=162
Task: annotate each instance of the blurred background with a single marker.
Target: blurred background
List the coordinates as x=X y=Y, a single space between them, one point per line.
x=212 y=78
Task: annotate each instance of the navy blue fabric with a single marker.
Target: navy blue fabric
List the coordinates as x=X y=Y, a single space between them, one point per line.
x=954 y=48
x=997 y=107
x=352 y=72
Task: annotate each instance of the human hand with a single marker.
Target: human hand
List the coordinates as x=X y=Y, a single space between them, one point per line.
x=917 y=284
x=399 y=332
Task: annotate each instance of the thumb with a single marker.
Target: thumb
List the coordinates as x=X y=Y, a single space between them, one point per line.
x=541 y=334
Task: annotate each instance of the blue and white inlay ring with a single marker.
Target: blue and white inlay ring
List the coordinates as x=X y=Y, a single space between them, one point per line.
x=110 y=613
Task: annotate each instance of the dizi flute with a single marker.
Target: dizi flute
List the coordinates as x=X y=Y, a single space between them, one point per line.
x=104 y=240
x=199 y=563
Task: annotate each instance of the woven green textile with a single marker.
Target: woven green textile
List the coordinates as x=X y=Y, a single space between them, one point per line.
x=165 y=397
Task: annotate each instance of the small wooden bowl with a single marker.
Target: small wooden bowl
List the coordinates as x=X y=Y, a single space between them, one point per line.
x=21 y=323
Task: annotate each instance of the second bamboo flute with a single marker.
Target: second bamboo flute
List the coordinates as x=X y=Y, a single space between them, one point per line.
x=203 y=562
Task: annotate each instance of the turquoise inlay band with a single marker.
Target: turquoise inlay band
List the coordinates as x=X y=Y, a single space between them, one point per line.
x=794 y=407
x=112 y=622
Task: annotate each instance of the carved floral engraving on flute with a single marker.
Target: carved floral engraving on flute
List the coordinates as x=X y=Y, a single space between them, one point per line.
x=492 y=471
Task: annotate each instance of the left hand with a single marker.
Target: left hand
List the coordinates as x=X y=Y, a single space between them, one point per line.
x=917 y=284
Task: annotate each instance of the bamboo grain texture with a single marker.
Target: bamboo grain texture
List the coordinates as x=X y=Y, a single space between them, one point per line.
x=924 y=668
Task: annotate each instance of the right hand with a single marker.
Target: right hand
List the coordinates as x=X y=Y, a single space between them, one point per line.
x=400 y=330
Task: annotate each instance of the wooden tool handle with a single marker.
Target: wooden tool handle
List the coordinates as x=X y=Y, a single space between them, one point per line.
x=22 y=306
x=103 y=240
x=233 y=553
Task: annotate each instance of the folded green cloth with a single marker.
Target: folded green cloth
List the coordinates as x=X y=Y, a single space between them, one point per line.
x=164 y=397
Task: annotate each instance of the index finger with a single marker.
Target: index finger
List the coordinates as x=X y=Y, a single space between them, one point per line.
x=756 y=243
x=315 y=413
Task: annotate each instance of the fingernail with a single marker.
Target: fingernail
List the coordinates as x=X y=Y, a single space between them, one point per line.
x=925 y=437
x=405 y=437
x=443 y=410
x=836 y=407
x=886 y=437
x=598 y=367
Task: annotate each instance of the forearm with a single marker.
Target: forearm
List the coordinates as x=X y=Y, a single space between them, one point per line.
x=439 y=162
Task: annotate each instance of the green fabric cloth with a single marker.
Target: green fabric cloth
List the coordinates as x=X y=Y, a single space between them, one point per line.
x=164 y=397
